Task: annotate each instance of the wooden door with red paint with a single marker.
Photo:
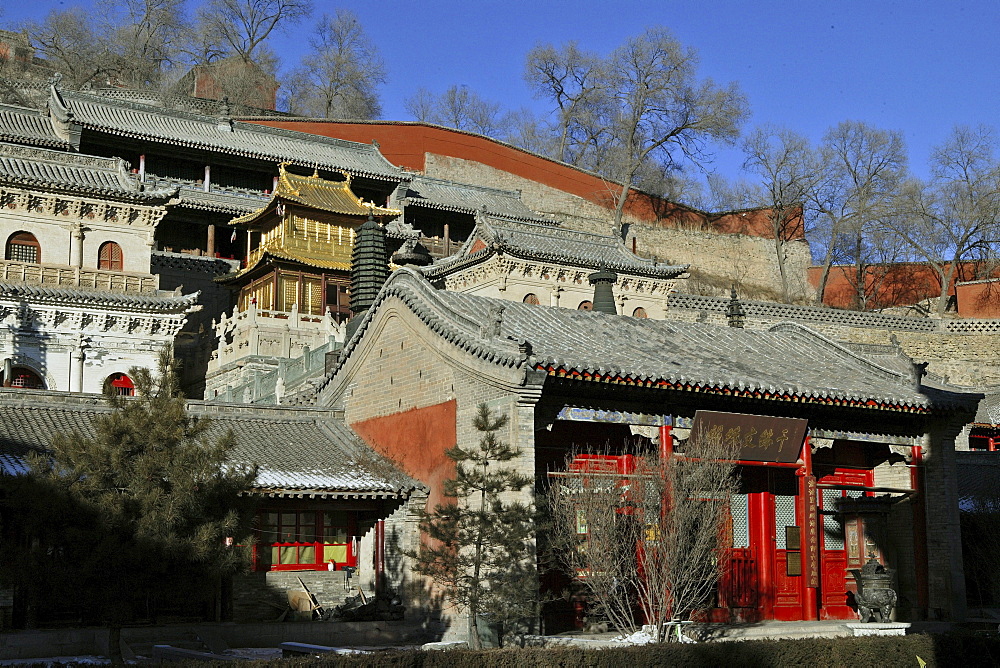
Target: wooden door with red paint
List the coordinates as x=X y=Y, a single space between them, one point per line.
x=789 y=581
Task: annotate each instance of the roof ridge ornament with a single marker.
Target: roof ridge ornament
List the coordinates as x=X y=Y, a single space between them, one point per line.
x=735 y=313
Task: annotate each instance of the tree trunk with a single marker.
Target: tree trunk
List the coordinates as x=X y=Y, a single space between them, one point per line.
x=779 y=250
x=946 y=276
x=115 y=645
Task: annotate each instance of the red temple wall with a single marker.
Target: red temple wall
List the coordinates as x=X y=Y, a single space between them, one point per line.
x=416 y=440
x=407 y=144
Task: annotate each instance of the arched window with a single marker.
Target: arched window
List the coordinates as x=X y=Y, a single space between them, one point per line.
x=639 y=313
x=26 y=379
x=121 y=385
x=531 y=298
x=24 y=247
x=110 y=256
x=586 y=305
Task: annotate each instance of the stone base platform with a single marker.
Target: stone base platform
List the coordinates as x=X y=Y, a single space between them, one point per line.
x=878 y=629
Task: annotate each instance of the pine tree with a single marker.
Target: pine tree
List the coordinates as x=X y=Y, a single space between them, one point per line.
x=479 y=549
x=146 y=511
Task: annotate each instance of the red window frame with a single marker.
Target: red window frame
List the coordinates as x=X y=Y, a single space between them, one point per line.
x=25 y=379
x=121 y=385
x=299 y=538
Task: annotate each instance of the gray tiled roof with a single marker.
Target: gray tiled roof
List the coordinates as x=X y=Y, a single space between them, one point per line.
x=298 y=451
x=548 y=243
x=94 y=175
x=103 y=298
x=21 y=125
x=212 y=133
x=789 y=361
x=451 y=196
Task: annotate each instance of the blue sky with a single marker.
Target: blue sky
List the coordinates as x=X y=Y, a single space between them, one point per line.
x=916 y=66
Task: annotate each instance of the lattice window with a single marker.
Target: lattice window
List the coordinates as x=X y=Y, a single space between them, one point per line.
x=531 y=298
x=784 y=516
x=109 y=257
x=639 y=313
x=289 y=292
x=24 y=247
x=312 y=296
x=25 y=379
x=739 y=510
x=833 y=528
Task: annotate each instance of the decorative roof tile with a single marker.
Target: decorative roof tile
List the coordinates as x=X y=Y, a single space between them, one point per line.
x=84 y=297
x=546 y=243
x=20 y=125
x=434 y=193
x=84 y=174
x=298 y=451
x=787 y=362
x=213 y=133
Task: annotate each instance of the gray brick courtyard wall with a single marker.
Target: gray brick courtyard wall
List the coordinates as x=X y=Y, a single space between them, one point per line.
x=961 y=351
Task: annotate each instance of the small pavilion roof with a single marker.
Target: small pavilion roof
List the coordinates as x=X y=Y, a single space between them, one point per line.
x=315 y=193
x=495 y=234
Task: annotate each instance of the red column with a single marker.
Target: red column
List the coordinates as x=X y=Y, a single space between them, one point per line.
x=762 y=541
x=666 y=441
x=379 y=557
x=810 y=535
x=919 y=528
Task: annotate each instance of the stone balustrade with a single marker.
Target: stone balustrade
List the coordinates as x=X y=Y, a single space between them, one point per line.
x=66 y=276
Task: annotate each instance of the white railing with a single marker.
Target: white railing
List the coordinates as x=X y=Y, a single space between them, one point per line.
x=66 y=276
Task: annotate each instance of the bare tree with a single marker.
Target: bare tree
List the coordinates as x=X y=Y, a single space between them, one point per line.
x=862 y=168
x=790 y=172
x=643 y=103
x=461 y=108
x=340 y=76
x=241 y=27
x=574 y=81
x=142 y=39
x=69 y=41
x=647 y=545
x=954 y=217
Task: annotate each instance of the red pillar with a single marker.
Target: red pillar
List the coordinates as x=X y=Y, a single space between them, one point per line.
x=379 y=557
x=919 y=528
x=810 y=535
x=666 y=441
x=762 y=541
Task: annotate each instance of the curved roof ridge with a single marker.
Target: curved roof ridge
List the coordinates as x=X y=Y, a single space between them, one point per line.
x=800 y=330
x=76 y=110
x=408 y=285
x=790 y=363
x=83 y=297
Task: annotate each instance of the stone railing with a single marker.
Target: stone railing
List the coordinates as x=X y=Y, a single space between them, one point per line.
x=270 y=333
x=78 y=277
x=262 y=388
